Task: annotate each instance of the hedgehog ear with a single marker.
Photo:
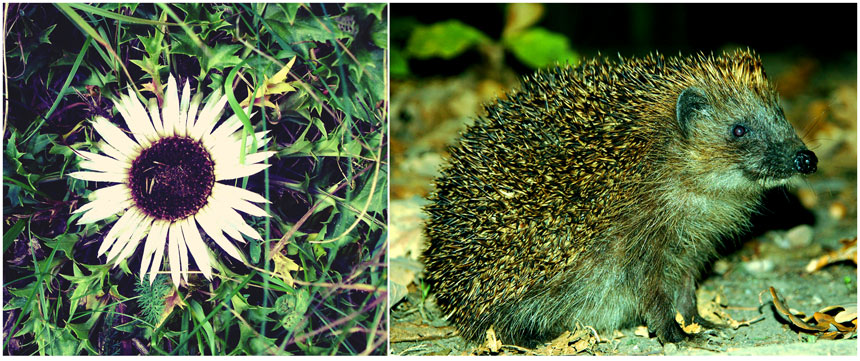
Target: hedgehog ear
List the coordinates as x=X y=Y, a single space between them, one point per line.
x=691 y=101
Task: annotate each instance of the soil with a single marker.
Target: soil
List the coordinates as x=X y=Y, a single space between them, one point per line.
x=798 y=225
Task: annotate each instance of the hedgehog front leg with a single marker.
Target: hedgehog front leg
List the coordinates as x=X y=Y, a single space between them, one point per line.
x=685 y=301
x=660 y=317
x=686 y=304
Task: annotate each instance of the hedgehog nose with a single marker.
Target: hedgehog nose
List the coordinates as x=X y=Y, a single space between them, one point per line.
x=805 y=162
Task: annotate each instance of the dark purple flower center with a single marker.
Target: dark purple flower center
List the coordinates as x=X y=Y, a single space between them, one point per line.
x=172 y=179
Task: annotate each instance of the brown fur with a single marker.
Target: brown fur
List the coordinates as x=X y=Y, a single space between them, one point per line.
x=583 y=198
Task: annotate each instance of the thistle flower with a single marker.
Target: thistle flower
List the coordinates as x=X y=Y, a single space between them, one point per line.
x=168 y=181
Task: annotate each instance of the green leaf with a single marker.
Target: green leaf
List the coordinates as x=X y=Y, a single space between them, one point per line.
x=281 y=11
x=108 y=14
x=293 y=307
x=256 y=251
x=374 y=9
x=445 y=40
x=43 y=36
x=64 y=242
x=223 y=56
x=368 y=74
x=398 y=67
x=199 y=15
x=153 y=45
x=12 y=233
x=379 y=34
x=538 y=47
x=303 y=31
x=200 y=318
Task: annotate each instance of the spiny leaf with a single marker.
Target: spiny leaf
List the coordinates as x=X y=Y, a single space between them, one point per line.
x=276 y=85
x=283 y=267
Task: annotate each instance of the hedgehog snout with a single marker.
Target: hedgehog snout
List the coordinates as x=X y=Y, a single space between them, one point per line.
x=805 y=162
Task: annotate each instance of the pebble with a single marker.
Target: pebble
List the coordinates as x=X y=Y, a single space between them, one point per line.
x=670 y=348
x=796 y=238
x=837 y=210
x=721 y=267
x=759 y=266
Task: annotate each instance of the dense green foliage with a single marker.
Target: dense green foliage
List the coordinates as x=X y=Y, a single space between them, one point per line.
x=315 y=285
x=534 y=46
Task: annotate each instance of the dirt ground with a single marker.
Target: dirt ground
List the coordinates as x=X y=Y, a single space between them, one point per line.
x=798 y=226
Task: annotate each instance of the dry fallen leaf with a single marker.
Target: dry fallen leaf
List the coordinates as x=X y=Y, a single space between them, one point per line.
x=848 y=252
x=712 y=307
x=419 y=332
x=692 y=328
x=493 y=342
x=581 y=339
x=641 y=331
x=170 y=302
x=820 y=322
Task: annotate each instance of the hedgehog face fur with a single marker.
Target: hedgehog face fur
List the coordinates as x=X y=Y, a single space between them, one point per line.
x=741 y=137
x=595 y=194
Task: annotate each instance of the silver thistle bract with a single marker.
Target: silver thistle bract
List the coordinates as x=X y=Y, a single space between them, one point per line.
x=167 y=175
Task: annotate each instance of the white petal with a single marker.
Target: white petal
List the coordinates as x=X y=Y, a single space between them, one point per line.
x=138 y=236
x=227 y=148
x=99 y=176
x=182 y=128
x=143 y=120
x=138 y=122
x=156 y=239
x=108 y=195
x=237 y=171
x=113 y=194
x=115 y=137
x=110 y=166
x=239 y=192
x=223 y=150
x=88 y=206
x=201 y=123
x=155 y=115
x=98 y=157
x=173 y=252
x=122 y=162
x=118 y=231
x=196 y=246
x=246 y=229
x=238 y=204
x=192 y=114
x=170 y=110
x=113 y=152
x=103 y=211
x=121 y=250
x=233 y=219
x=213 y=229
x=159 y=252
x=230 y=125
x=258 y=157
x=183 y=252
x=225 y=225
x=210 y=115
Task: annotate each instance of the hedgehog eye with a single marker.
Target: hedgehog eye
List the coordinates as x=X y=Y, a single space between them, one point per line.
x=739 y=131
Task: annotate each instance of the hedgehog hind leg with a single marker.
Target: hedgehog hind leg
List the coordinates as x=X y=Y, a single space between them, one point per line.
x=528 y=323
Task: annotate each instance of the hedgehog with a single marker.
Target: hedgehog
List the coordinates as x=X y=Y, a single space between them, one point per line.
x=596 y=194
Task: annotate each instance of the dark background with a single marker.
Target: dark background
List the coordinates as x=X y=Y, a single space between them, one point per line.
x=822 y=31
